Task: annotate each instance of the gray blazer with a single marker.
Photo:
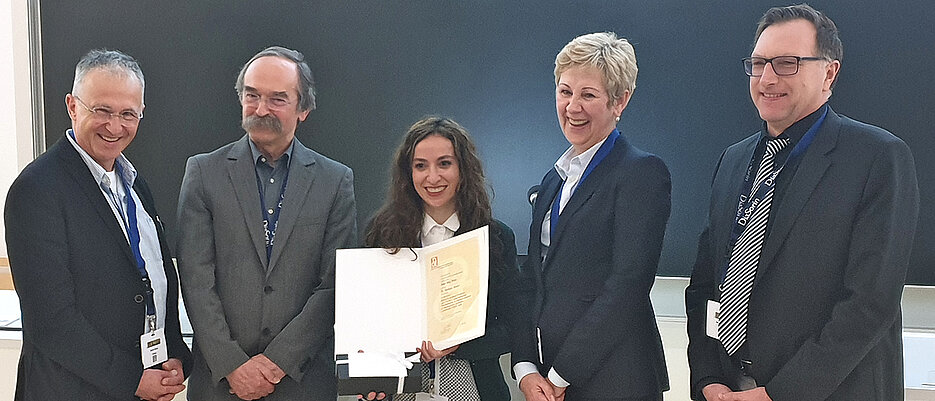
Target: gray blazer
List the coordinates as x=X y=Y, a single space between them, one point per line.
x=239 y=304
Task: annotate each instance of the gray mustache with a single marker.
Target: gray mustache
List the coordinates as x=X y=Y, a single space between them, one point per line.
x=267 y=122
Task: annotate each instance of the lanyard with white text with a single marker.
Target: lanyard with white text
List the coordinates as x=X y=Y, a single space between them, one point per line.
x=271 y=216
x=599 y=156
x=748 y=201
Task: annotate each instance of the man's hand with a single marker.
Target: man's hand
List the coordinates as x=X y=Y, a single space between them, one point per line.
x=429 y=353
x=537 y=388
x=255 y=378
x=151 y=385
x=558 y=391
x=270 y=370
x=757 y=394
x=713 y=391
x=176 y=376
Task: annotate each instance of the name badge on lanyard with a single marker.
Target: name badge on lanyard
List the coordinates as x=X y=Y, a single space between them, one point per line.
x=153 y=347
x=153 y=341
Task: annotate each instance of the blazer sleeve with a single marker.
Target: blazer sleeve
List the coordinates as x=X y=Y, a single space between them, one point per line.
x=38 y=248
x=641 y=211
x=497 y=333
x=703 y=351
x=299 y=338
x=880 y=246
x=197 y=264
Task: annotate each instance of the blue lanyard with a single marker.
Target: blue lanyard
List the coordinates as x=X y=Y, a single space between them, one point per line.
x=271 y=220
x=599 y=156
x=753 y=200
x=133 y=233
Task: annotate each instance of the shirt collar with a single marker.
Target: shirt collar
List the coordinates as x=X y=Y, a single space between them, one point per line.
x=797 y=130
x=129 y=172
x=563 y=164
x=452 y=223
x=257 y=154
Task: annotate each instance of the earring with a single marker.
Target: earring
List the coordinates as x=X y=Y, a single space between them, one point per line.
x=617 y=119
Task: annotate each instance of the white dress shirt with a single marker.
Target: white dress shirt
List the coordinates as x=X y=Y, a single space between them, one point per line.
x=149 y=239
x=570 y=167
x=433 y=232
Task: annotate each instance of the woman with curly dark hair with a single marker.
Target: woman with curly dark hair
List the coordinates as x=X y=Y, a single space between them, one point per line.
x=438 y=190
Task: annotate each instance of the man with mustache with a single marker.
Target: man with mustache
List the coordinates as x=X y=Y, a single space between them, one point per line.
x=260 y=219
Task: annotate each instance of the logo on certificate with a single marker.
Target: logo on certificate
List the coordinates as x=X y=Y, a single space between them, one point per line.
x=434 y=261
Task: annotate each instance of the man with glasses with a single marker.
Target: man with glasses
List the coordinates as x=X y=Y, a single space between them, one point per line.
x=795 y=293
x=96 y=284
x=260 y=220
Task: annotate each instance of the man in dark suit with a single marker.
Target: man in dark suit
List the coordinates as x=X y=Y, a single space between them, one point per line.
x=260 y=220
x=795 y=293
x=88 y=254
x=594 y=243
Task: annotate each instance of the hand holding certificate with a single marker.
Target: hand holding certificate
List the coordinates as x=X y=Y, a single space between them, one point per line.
x=390 y=303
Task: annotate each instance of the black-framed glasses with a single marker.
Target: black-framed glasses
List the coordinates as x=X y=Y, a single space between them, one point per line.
x=126 y=118
x=782 y=65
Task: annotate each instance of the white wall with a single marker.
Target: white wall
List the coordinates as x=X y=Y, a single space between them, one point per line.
x=15 y=111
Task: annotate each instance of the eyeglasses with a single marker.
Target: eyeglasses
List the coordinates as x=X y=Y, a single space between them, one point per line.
x=782 y=65
x=127 y=118
x=253 y=99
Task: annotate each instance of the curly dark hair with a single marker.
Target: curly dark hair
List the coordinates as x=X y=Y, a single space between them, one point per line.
x=398 y=223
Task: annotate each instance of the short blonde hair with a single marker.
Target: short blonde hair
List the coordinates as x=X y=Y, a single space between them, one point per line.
x=612 y=56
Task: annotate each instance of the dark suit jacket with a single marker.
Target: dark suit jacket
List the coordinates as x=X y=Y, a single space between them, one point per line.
x=239 y=303
x=824 y=315
x=78 y=284
x=591 y=300
x=484 y=353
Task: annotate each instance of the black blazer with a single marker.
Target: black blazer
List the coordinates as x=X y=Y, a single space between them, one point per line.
x=824 y=315
x=591 y=296
x=79 y=289
x=484 y=353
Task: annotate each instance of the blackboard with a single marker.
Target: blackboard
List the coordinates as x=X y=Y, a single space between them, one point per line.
x=381 y=65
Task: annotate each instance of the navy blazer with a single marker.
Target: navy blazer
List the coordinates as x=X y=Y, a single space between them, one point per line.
x=78 y=285
x=591 y=295
x=824 y=314
x=484 y=353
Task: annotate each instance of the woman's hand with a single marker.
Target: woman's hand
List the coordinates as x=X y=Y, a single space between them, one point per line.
x=429 y=353
x=371 y=396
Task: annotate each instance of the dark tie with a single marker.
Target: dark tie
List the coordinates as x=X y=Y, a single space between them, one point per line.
x=744 y=258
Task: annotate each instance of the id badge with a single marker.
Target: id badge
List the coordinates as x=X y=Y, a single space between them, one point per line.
x=711 y=318
x=153 y=348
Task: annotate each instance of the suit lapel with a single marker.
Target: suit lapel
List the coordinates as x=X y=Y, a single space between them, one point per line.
x=242 y=171
x=301 y=175
x=803 y=183
x=548 y=191
x=79 y=172
x=735 y=168
x=586 y=189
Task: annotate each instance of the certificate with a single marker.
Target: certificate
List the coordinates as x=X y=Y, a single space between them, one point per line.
x=390 y=303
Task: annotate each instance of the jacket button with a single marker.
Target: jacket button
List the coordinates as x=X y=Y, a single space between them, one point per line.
x=266 y=331
x=138 y=298
x=267 y=289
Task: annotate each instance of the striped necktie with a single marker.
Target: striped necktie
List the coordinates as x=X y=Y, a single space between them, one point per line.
x=744 y=258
